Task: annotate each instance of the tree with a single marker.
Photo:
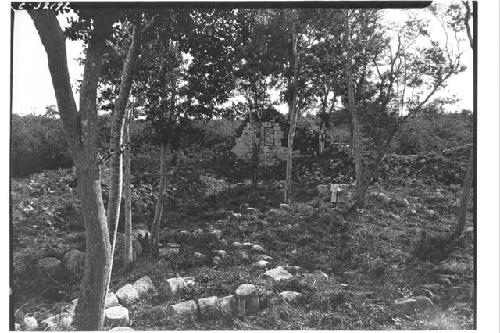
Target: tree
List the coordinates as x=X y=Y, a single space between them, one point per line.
x=117 y=136
x=80 y=129
x=462 y=214
x=421 y=69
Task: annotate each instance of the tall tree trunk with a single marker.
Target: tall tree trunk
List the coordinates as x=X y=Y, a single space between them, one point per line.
x=292 y=117
x=256 y=142
x=356 y=140
x=128 y=252
x=462 y=213
x=80 y=129
x=321 y=148
x=155 y=226
x=116 y=140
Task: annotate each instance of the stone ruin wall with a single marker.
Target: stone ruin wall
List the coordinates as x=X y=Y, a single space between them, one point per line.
x=271 y=149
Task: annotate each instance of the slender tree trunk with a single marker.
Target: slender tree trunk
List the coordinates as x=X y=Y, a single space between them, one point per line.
x=116 y=140
x=356 y=140
x=321 y=147
x=255 y=153
x=128 y=252
x=462 y=214
x=155 y=226
x=292 y=117
x=80 y=129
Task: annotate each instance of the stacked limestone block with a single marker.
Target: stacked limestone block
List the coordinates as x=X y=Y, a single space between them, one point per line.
x=270 y=139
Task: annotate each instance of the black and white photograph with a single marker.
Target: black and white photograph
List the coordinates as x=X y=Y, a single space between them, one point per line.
x=249 y=166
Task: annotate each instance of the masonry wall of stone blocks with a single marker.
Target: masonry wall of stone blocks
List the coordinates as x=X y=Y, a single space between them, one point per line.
x=270 y=139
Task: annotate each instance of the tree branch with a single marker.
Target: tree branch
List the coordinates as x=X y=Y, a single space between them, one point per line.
x=54 y=42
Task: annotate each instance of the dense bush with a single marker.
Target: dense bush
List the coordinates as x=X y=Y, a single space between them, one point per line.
x=434 y=133
x=37 y=143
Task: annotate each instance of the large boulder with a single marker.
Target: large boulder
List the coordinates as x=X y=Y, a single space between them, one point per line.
x=209 y=306
x=74 y=261
x=278 y=274
x=247 y=300
x=185 y=309
x=127 y=294
x=111 y=300
x=116 y=316
x=228 y=305
x=49 y=265
x=29 y=323
x=144 y=285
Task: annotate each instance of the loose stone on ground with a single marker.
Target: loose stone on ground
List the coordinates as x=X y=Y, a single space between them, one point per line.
x=116 y=316
x=127 y=294
x=278 y=274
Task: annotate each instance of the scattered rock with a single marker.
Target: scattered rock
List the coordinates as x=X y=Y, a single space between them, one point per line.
x=17 y=327
x=251 y=210
x=71 y=307
x=228 y=305
x=284 y=206
x=261 y=264
x=257 y=248
x=262 y=257
x=29 y=323
x=217 y=233
x=278 y=274
x=116 y=316
x=236 y=216
x=198 y=232
x=323 y=190
x=111 y=300
x=244 y=255
x=247 y=299
x=141 y=234
x=185 y=232
x=274 y=211
x=49 y=265
x=237 y=244
x=122 y=328
x=221 y=253
x=216 y=260
x=74 y=261
x=127 y=294
x=144 y=285
x=173 y=287
x=247 y=245
x=292 y=269
x=410 y=304
x=209 y=306
x=200 y=256
x=314 y=277
x=185 y=309
x=290 y=296
x=60 y=322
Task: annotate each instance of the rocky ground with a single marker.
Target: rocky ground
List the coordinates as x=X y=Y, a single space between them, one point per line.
x=232 y=262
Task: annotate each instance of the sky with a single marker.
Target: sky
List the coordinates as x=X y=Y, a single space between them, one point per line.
x=32 y=85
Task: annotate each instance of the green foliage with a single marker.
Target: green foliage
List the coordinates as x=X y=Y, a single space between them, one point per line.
x=37 y=143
